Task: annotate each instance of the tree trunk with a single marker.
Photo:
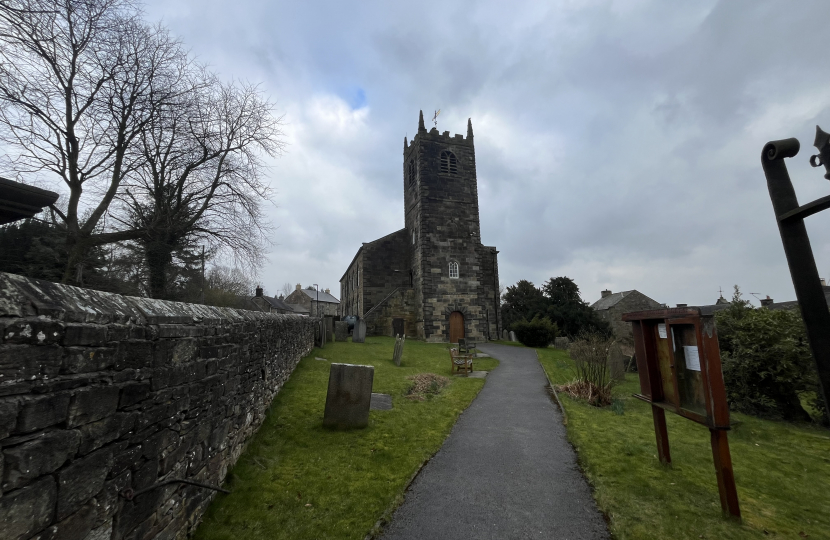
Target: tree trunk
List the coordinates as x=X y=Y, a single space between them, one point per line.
x=158 y=255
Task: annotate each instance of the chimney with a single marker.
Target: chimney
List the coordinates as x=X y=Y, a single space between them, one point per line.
x=605 y=293
x=823 y=282
x=767 y=301
x=682 y=305
x=298 y=287
x=328 y=291
x=259 y=291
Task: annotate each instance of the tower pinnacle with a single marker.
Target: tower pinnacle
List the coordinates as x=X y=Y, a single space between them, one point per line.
x=469 y=128
x=421 y=126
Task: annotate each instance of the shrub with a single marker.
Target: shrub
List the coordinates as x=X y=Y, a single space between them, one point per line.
x=540 y=332
x=766 y=360
x=593 y=381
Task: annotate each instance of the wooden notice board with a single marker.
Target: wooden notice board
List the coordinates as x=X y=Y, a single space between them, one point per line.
x=678 y=360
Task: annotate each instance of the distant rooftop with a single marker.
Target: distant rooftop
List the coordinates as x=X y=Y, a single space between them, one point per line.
x=324 y=296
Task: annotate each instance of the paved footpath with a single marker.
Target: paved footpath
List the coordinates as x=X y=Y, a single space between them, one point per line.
x=506 y=471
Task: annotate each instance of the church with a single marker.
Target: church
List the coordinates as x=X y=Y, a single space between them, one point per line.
x=434 y=279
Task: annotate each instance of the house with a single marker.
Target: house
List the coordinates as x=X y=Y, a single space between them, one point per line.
x=433 y=279
x=313 y=302
x=611 y=306
x=272 y=305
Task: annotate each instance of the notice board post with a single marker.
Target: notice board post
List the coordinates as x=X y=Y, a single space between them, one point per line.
x=678 y=361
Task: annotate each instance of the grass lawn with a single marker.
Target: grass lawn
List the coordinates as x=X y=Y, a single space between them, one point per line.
x=782 y=470
x=298 y=480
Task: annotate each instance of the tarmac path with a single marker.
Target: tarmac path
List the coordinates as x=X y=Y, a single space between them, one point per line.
x=506 y=471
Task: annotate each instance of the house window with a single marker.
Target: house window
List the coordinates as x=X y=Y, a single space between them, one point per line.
x=411 y=171
x=449 y=164
x=453 y=270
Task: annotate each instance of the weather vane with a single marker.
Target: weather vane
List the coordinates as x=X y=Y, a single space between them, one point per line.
x=435 y=118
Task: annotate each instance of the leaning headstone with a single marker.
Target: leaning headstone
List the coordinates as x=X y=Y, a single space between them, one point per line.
x=561 y=343
x=616 y=362
x=329 y=322
x=513 y=336
x=349 y=396
x=341 y=331
x=359 y=332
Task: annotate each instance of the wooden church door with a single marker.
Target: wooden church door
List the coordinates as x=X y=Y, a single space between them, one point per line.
x=456 y=326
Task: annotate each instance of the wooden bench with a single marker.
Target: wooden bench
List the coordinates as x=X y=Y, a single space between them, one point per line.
x=460 y=362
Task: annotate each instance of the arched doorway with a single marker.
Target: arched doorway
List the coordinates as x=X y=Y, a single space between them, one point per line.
x=456 y=326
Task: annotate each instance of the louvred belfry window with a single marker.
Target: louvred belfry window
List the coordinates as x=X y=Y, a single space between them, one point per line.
x=449 y=163
x=411 y=172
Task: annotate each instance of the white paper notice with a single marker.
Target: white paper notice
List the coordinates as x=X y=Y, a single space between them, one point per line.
x=661 y=329
x=692 y=357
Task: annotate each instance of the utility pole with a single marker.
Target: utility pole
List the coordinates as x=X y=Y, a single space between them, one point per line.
x=203 y=275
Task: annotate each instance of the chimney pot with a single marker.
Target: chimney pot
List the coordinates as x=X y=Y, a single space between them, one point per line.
x=605 y=293
x=259 y=291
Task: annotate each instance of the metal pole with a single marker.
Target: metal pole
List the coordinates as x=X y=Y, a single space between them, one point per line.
x=203 y=275
x=799 y=254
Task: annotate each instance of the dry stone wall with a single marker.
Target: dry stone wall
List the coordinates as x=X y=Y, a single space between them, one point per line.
x=102 y=396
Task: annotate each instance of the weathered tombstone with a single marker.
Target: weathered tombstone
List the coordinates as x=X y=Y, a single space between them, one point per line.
x=504 y=336
x=513 y=336
x=616 y=362
x=398 y=353
x=341 y=331
x=349 y=396
x=329 y=322
x=359 y=332
x=320 y=334
x=561 y=343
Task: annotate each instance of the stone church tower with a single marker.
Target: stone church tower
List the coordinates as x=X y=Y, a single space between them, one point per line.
x=433 y=279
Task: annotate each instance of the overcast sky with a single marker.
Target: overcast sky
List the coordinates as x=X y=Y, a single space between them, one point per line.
x=617 y=143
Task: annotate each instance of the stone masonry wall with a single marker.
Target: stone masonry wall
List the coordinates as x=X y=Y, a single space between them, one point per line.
x=101 y=394
x=634 y=301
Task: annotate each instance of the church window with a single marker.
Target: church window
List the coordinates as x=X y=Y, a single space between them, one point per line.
x=453 y=270
x=413 y=237
x=411 y=172
x=449 y=163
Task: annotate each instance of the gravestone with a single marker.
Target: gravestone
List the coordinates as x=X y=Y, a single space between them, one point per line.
x=349 y=396
x=381 y=402
x=398 y=353
x=359 y=332
x=329 y=322
x=341 y=331
x=513 y=336
x=616 y=362
x=504 y=336
x=320 y=334
x=561 y=343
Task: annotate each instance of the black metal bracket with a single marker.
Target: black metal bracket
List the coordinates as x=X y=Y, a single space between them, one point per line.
x=790 y=217
x=129 y=494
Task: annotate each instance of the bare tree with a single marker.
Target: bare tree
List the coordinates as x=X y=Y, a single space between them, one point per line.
x=79 y=81
x=287 y=289
x=201 y=179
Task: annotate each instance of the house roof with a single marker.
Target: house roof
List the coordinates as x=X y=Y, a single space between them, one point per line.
x=276 y=303
x=610 y=301
x=324 y=296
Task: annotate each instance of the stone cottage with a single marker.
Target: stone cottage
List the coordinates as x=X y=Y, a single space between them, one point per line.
x=611 y=307
x=307 y=299
x=433 y=279
x=272 y=305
